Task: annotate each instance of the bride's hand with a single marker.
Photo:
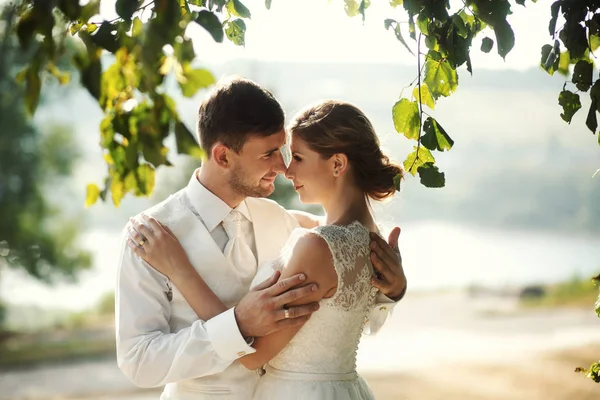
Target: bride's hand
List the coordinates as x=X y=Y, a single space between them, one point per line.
x=158 y=246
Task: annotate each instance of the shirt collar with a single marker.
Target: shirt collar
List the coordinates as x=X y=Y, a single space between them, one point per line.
x=209 y=206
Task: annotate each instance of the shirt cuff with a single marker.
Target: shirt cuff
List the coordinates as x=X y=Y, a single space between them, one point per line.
x=383 y=299
x=225 y=336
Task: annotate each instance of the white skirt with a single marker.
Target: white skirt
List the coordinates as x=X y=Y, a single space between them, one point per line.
x=278 y=385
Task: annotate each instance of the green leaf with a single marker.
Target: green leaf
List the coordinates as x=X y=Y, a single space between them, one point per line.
x=62 y=77
x=395 y=3
x=425 y=97
x=126 y=8
x=582 y=75
x=595 y=94
x=594 y=42
x=236 y=31
x=186 y=143
x=505 y=37
x=554 y=9
x=105 y=38
x=398 y=32
x=91 y=28
x=145 y=179
x=468 y=19
x=211 y=23
x=138 y=27
x=405 y=114
x=351 y=8
x=193 y=80
x=591 y=122
x=91 y=76
x=487 y=44
x=397 y=181
x=92 y=194
x=431 y=176
x=551 y=57
x=570 y=103
x=184 y=51
x=574 y=36
x=26 y=28
x=76 y=27
x=117 y=190
x=420 y=156
x=236 y=8
x=563 y=63
x=460 y=25
x=597 y=307
x=435 y=137
x=33 y=87
x=155 y=153
x=440 y=77
x=268 y=4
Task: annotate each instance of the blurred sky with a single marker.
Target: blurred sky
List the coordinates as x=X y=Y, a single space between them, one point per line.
x=320 y=30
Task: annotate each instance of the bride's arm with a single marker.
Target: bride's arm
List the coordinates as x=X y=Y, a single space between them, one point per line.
x=172 y=261
x=312 y=257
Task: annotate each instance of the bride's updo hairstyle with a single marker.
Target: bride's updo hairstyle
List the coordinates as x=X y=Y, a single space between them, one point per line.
x=335 y=127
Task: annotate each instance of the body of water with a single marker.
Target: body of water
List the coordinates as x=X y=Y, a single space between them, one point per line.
x=435 y=254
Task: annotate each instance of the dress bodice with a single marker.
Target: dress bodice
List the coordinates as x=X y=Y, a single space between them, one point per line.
x=328 y=342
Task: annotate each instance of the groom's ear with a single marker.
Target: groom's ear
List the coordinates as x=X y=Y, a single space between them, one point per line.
x=220 y=154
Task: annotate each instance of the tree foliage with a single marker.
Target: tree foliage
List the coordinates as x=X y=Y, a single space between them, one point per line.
x=34 y=235
x=149 y=44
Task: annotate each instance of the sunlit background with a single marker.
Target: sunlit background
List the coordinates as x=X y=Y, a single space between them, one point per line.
x=520 y=212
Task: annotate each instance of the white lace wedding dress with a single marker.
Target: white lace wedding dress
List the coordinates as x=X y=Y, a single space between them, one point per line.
x=319 y=363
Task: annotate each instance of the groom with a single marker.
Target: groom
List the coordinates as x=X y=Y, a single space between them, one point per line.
x=228 y=229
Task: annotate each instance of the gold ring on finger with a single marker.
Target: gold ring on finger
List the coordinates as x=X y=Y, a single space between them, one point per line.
x=141 y=242
x=286 y=313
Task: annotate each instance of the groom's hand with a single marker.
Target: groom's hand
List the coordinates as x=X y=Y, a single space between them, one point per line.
x=387 y=262
x=263 y=310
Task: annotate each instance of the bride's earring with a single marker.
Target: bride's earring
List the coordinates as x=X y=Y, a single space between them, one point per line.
x=335 y=172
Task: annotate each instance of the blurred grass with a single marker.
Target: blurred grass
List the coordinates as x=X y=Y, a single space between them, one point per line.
x=23 y=353
x=75 y=336
x=576 y=292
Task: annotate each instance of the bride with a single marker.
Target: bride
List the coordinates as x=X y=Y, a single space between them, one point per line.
x=337 y=163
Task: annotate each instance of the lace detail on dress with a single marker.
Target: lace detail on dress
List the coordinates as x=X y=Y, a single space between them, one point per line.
x=328 y=342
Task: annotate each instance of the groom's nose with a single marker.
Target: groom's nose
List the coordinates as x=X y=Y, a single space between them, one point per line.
x=279 y=166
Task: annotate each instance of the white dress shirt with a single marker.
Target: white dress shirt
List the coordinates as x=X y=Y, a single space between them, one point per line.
x=160 y=341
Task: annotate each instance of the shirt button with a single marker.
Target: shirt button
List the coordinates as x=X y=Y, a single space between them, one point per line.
x=382 y=308
x=241 y=353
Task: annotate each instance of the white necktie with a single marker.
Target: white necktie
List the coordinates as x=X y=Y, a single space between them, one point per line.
x=237 y=250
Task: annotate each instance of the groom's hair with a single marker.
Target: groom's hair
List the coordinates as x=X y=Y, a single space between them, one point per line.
x=235 y=109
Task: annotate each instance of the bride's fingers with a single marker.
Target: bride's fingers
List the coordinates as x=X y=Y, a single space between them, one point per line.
x=153 y=222
x=135 y=248
x=135 y=235
x=143 y=229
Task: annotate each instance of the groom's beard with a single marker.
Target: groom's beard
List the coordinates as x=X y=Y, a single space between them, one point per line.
x=243 y=185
